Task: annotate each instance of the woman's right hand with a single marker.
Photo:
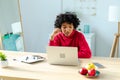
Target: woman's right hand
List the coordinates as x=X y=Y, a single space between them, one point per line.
x=54 y=33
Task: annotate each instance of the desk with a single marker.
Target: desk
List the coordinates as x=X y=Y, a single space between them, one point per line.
x=45 y=71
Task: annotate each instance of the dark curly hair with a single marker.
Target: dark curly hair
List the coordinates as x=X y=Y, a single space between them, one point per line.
x=68 y=17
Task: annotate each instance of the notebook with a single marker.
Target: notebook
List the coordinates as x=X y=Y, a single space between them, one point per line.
x=30 y=59
x=62 y=55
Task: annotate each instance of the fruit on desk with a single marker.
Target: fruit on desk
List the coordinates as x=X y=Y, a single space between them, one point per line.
x=90 y=66
x=92 y=72
x=83 y=71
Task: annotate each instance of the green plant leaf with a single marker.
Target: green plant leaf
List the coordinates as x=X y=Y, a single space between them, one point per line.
x=2 y=56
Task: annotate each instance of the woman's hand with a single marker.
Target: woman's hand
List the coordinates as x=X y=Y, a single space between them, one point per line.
x=54 y=33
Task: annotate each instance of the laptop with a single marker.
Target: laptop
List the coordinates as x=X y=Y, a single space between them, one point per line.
x=62 y=55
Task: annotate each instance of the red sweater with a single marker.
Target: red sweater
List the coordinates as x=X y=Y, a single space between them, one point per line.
x=76 y=39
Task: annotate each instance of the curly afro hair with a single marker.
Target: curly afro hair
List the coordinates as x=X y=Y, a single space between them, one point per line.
x=68 y=17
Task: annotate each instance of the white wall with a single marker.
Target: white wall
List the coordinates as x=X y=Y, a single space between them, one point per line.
x=8 y=15
x=38 y=21
x=99 y=24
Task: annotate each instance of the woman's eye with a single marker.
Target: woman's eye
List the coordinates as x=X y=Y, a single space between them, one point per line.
x=64 y=27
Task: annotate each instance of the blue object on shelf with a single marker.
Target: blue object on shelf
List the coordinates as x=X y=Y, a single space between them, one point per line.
x=9 y=41
x=86 y=29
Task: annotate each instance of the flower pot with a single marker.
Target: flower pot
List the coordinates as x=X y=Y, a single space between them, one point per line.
x=4 y=63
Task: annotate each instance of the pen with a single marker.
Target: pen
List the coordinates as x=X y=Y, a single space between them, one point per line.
x=26 y=58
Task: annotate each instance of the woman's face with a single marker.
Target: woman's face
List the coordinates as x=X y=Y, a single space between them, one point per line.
x=67 y=28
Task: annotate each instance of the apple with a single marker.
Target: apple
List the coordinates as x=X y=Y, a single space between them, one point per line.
x=83 y=71
x=91 y=72
x=90 y=66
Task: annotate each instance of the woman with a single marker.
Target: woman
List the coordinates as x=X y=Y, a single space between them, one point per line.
x=65 y=34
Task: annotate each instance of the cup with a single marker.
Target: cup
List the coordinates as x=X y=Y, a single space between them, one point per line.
x=86 y=29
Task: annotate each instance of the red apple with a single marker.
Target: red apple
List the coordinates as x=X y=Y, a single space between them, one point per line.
x=83 y=71
x=92 y=72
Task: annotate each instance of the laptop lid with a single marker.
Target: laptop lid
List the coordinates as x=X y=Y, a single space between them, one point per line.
x=62 y=55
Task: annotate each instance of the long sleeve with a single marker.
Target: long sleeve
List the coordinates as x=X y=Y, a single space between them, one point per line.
x=54 y=42
x=51 y=42
x=76 y=39
x=84 y=50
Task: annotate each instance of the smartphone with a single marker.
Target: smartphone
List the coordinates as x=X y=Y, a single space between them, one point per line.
x=99 y=65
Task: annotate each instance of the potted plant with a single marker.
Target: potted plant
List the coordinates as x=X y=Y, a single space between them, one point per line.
x=3 y=60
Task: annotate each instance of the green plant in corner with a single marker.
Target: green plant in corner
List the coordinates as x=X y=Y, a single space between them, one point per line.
x=2 y=57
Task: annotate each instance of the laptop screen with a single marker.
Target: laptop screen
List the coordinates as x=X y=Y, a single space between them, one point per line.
x=62 y=55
